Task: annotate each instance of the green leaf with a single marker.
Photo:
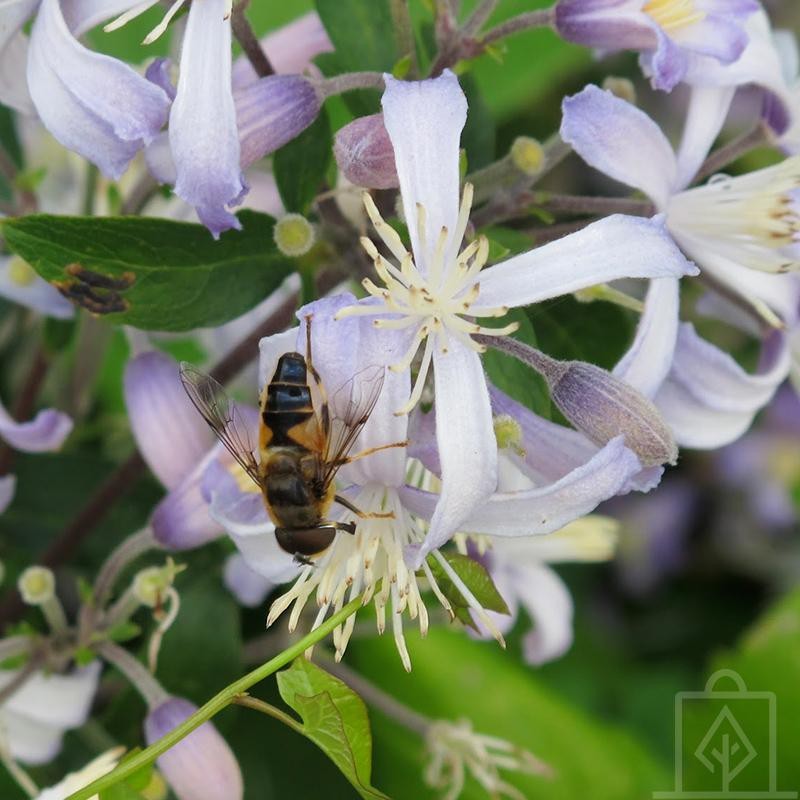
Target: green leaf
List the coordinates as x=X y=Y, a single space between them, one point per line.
x=334 y=718
x=124 y=632
x=765 y=661
x=595 y=332
x=475 y=577
x=513 y=377
x=84 y=656
x=300 y=165
x=158 y=274
x=454 y=677
x=363 y=39
x=133 y=786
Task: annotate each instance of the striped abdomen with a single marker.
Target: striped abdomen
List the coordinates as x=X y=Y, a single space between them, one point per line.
x=287 y=404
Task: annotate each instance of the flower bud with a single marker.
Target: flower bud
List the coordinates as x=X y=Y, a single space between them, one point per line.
x=150 y=585
x=365 y=155
x=620 y=87
x=527 y=155
x=603 y=406
x=199 y=767
x=271 y=111
x=294 y=235
x=37 y=585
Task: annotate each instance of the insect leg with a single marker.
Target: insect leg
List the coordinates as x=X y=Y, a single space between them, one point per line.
x=370 y=450
x=343 y=501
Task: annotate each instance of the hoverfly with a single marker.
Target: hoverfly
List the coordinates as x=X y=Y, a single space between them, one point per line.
x=301 y=444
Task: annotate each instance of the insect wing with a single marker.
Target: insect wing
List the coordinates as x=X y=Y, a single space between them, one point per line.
x=351 y=406
x=222 y=416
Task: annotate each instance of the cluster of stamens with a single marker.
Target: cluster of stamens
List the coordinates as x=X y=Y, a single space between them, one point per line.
x=436 y=299
x=756 y=215
x=370 y=564
x=162 y=26
x=672 y=15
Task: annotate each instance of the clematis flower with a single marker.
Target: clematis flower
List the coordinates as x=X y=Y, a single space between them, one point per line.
x=20 y=283
x=670 y=34
x=93 y=104
x=740 y=231
x=372 y=563
x=36 y=716
x=434 y=292
x=225 y=118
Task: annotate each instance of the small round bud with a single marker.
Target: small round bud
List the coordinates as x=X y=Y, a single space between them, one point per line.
x=508 y=433
x=364 y=153
x=294 y=235
x=620 y=87
x=20 y=272
x=149 y=586
x=37 y=585
x=527 y=155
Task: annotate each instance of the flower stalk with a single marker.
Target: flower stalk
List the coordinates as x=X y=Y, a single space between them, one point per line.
x=216 y=704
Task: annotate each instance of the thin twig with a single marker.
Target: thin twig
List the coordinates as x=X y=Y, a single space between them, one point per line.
x=137 y=674
x=741 y=145
x=26 y=402
x=140 y=195
x=243 y=32
x=349 y=81
x=577 y=204
x=523 y=22
x=549 y=233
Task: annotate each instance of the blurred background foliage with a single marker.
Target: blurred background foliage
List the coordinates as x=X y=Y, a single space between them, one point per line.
x=602 y=716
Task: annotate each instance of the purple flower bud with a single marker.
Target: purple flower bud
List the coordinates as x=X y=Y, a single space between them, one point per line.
x=603 y=406
x=271 y=111
x=365 y=154
x=599 y=404
x=199 y=767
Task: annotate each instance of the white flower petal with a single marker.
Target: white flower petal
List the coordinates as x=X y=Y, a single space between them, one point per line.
x=202 y=123
x=548 y=508
x=61 y=701
x=612 y=248
x=38 y=295
x=424 y=120
x=83 y=15
x=621 y=141
x=708 y=108
x=548 y=602
x=45 y=432
x=467 y=444
x=250 y=588
x=12 y=17
x=30 y=741
x=171 y=435
x=270 y=349
x=14 y=91
x=93 y=104
x=244 y=517
x=708 y=399
x=648 y=360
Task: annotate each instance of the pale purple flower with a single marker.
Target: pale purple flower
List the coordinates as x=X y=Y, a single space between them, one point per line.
x=740 y=231
x=177 y=446
x=364 y=153
x=93 y=104
x=225 y=119
x=20 y=283
x=432 y=296
x=670 y=34
x=201 y=766
x=8 y=484
x=343 y=351
x=36 y=716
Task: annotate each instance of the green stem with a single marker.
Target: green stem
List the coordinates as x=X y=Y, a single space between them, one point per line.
x=270 y=710
x=215 y=705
